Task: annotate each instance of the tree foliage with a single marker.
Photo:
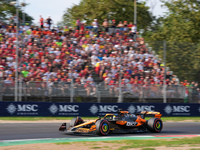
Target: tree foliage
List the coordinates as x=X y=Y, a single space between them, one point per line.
x=181 y=23
x=120 y=10
x=180 y=28
x=7 y=11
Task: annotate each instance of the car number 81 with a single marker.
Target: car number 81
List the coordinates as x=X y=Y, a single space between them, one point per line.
x=131 y=123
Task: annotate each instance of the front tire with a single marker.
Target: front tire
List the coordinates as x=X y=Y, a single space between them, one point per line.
x=102 y=127
x=155 y=125
x=75 y=121
x=64 y=126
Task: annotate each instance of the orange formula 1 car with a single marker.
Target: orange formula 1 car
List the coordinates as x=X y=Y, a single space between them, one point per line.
x=122 y=122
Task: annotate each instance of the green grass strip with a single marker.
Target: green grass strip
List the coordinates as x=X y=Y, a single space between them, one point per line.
x=41 y=118
x=68 y=140
x=174 y=119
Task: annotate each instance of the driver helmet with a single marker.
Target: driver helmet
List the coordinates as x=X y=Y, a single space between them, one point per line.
x=115 y=116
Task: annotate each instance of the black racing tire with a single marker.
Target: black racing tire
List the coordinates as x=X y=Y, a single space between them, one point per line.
x=67 y=126
x=155 y=125
x=75 y=122
x=102 y=127
x=64 y=126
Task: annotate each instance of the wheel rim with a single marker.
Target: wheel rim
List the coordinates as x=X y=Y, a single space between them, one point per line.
x=105 y=127
x=158 y=125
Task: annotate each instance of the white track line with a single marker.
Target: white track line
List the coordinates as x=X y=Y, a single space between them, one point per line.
x=84 y=138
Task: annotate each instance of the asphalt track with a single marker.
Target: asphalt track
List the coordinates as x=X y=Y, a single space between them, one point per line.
x=17 y=131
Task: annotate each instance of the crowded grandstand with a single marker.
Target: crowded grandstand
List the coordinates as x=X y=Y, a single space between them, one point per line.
x=87 y=56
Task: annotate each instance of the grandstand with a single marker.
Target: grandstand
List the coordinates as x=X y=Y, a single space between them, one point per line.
x=88 y=65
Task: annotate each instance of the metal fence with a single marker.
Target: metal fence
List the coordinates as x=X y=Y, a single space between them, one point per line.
x=98 y=91
x=193 y=95
x=142 y=91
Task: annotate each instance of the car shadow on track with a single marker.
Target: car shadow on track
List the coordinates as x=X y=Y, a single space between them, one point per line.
x=115 y=134
x=165 y=132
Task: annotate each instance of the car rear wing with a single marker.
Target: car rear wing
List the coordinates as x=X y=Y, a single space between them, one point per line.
x=156 y=114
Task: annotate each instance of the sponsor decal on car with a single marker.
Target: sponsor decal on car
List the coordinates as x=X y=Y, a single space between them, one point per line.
x=131 y=124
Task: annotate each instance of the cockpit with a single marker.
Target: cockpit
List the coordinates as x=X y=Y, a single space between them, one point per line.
x=121 y=116
x=127 y=117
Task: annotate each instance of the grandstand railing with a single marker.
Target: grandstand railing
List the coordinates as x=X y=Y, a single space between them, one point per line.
x=98 y=91
x=142 y=91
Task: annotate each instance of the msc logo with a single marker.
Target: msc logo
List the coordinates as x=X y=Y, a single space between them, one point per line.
x=27 y=107
x=93 y=109
x=63 y=108
x=132 y=109
x=22 y=108
x=11 y=108
x=103 y=108
x=53 y=109
x=176 y=109
x=68 y=108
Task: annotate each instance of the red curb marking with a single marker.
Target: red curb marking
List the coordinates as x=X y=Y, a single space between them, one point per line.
x=176 y=136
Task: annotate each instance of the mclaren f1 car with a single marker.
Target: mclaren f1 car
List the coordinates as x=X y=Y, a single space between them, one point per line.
x=122 y=122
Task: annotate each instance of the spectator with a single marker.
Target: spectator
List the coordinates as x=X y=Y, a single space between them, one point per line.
x=113 y=26
x=15 y=19
x=121 y=26
x=95 y=25
x=41 y=22
x=105 y=25
x=133 y=31
x=49 y=22
x=78 y=24
x=125 y=26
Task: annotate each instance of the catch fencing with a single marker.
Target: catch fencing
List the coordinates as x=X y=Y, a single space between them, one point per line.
x=94 y=91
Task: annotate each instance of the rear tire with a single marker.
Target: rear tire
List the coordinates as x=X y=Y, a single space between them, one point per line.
x=102 y=127
x=75 y=121
x=155 y=125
